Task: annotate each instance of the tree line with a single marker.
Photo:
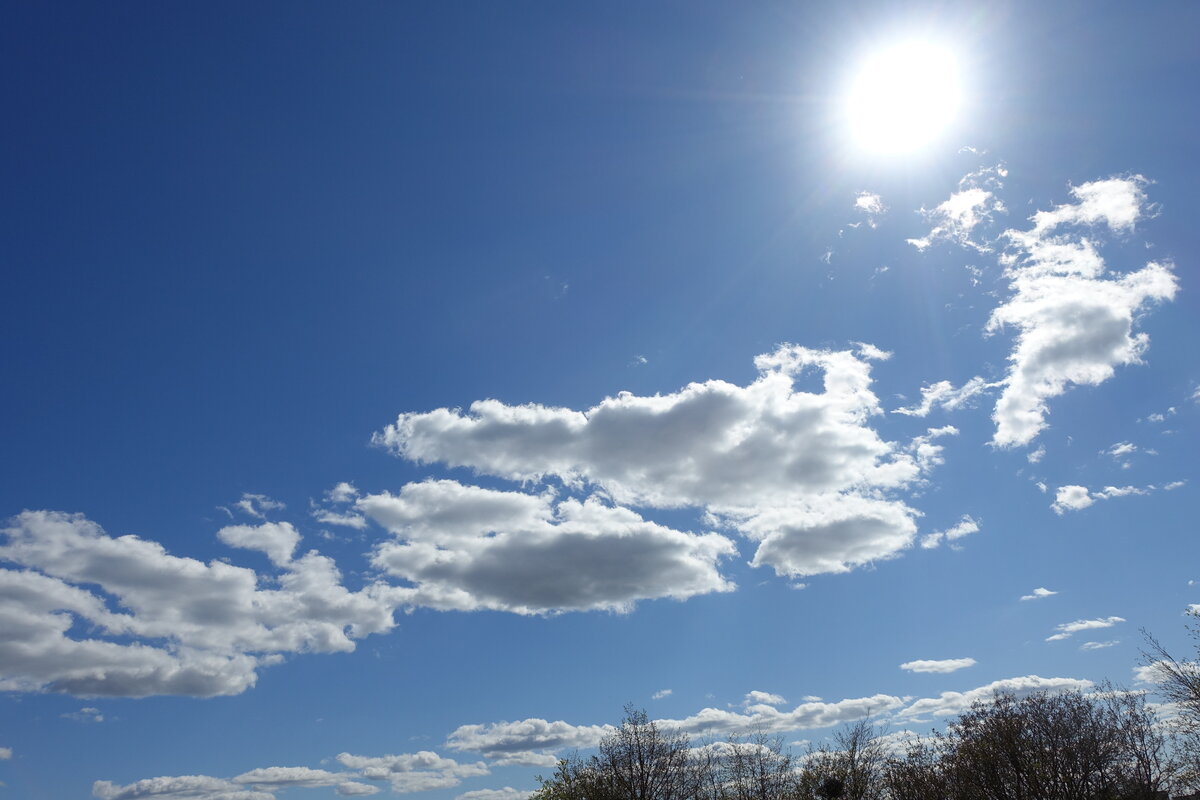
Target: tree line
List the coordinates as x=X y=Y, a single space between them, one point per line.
x=1108 y=744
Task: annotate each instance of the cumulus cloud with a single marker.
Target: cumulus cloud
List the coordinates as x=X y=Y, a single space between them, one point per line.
x=1071 y=498
x=277 y=539
x=413 y=772
x=765 y=719
x=465 y=548
x=1066 y=629
x=965 y=526
x=154 y=623
x=757 y=698
x=1075 y=498
x=335 y=511
x=943 y=395
x=1038 y=594
x=1074 y=325
x=939 y=666
x=535 y=742
x=409 y=772
x=528 y=742
x=181 y=787
x=949 y=703
x=661 y=693
x=1149 y=673
x=271 y=778
x=800 y=473
x=506 y=793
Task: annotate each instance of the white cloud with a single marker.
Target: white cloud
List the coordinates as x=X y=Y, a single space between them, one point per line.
x=1035 y=456
x=181 y=626
x=949 y=703
x=1161 y=416
x=942 y=666
x=841 y=533
x=1149 y=673
x=1120 y=449
x=800 y=473
x=5 y=753
x=1038 y=594
x=465 y=547
x=343 y=492
x=182 y=787
x=506 y=793
x=257 y=505
x=975 y=203
x=409 y=772
x=1074 y=498
x=528 y=742
x=1074 y=326
x=661 y=693
x=85 y=714
x=328 y=517
x=272 y=778
x=943 y=395
x=412 y=772
x=870 y=204
x=757 y=698
x=1066 y=629
x=277 y=539
x=763 y=718
x=955 y=219
x=1098 y=645
x=534 y=742
x=1071 y=498
x=965 y=526
x=339 y=496
x=1121 y=491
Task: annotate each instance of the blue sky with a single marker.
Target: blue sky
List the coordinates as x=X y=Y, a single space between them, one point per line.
x=394 y=392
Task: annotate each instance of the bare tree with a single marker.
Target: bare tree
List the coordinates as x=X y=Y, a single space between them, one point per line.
x=1149 y=762
x=638 y=761
x=922 y=773
x=1179 y=684
x=757 y=767
x=646 y=762
x=851 y=769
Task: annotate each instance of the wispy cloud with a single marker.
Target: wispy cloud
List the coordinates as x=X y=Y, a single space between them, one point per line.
x=943 y=666
x=1067 y=629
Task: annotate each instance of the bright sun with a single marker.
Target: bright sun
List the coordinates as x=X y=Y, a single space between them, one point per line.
x=903 y=97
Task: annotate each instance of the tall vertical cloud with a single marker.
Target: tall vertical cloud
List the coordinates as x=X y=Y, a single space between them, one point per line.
x=1074 y=323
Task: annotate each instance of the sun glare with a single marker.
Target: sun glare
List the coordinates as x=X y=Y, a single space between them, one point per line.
x=903 y=97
